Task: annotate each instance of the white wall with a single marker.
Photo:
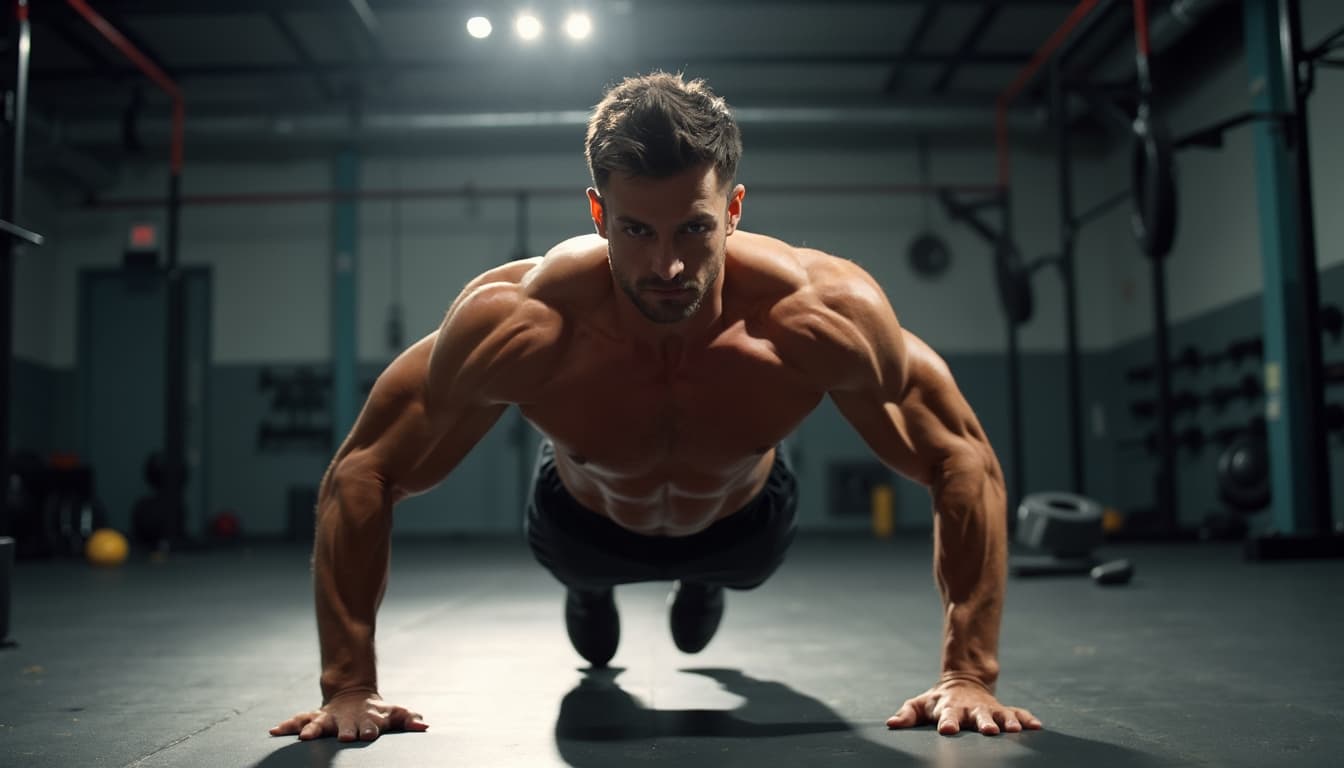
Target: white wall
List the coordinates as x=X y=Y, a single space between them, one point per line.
x=270 y=262
x=1217 y=258
x=35 y=272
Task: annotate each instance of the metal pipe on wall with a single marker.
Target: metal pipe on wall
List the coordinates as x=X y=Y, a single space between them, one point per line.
x=337 y=127
x=301 y=197
x=174 y=396
x=1068 y=228
x=10 y=209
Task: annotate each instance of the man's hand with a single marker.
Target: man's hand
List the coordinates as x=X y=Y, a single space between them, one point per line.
x=358 y=716
x=955 y=704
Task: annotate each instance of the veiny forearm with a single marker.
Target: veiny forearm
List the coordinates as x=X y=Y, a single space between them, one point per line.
x=350 y=562
x=970 y=563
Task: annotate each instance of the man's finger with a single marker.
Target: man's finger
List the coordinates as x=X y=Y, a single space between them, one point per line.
x=1028 y=720
x=287 y=727
x=311 y=730
x=293 y=725
x=1008 y=722
x=951 y=720
x=403 y=718
x=368 y=731
x=985 y=722
x=910 y=714
x=345 y=729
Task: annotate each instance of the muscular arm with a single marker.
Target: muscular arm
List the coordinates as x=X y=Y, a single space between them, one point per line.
x=901 y=398
x=423 y=415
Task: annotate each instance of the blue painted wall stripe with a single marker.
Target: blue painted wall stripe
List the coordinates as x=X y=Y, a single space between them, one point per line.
x=1284 y=328
x=344 y=309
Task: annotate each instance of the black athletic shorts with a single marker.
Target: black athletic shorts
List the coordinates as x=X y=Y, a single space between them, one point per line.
x=587 y=551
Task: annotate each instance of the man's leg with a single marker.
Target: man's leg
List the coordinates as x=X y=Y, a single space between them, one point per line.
x=739 y=552
x=587 y=553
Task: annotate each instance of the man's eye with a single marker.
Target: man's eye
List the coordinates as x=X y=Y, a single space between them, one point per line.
x=697 y=228
x=636 y=230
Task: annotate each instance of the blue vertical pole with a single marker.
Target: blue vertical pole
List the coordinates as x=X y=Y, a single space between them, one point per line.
x=344 y=314
x=1293 y=384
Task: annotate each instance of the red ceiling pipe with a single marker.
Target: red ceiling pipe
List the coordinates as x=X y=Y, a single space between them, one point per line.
x=1025 y=76
x=151 y=70
x=442 y=193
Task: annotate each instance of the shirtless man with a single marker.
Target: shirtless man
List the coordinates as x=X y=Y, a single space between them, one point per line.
x=663 y=359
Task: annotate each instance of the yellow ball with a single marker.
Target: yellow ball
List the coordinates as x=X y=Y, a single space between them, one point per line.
x=1112 y=520
x=106 y=547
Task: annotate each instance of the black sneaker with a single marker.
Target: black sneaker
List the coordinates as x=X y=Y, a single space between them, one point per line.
x=695 y=615
x=593 y=624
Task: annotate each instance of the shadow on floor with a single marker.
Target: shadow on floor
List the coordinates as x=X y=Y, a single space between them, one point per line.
x=318 y=753
x=1053 y=748
x=601 y=725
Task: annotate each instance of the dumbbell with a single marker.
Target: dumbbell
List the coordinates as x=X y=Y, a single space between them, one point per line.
x=1248 y=389
x=1250 y=348
x=1189 y=358
x=1191 y=439
x=1332 y=321
x=1181 y=402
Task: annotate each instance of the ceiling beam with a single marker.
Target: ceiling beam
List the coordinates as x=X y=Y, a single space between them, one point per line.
x=67 y=28
x=301 y=52
x=368 y=27
x=356 y=68
x=119 y=23
x=966 y=54
x=215 y=7
x=926 y=19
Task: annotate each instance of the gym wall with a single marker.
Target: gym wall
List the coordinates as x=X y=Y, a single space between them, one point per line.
x=269 y=268
x=37 y=384
x=1214 y=272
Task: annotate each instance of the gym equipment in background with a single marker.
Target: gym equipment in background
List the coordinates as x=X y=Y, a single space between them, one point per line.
x=1060 y=530
x=928 y=253
x=6 y=579
x=106 y=548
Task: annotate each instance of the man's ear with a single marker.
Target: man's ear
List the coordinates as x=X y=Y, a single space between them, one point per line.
x=735 y=207
x=598 y=211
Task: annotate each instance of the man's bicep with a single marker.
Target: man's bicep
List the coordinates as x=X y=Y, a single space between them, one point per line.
x=903 y=400
x=426 y=410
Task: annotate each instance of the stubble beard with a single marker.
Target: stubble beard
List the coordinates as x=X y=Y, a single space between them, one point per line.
x=664 y=312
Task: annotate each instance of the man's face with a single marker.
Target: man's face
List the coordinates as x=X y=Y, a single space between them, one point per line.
x=666 y=238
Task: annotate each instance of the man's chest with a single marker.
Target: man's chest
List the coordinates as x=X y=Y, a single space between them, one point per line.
x=708 y=407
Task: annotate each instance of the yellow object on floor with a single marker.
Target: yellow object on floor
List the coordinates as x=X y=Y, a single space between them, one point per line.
x=106 y=547
x=884 y=512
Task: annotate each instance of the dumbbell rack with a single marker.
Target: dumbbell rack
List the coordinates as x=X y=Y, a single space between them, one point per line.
x=1191 y=439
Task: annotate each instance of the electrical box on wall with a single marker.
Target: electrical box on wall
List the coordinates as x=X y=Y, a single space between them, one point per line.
x=850 y=486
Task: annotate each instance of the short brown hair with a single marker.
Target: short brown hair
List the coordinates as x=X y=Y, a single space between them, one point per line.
x=658 y=125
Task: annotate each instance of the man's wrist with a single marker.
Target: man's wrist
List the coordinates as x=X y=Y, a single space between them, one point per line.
x=332 y=691
x=982 y=679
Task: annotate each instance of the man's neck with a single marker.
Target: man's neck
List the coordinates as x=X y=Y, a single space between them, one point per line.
x=693 y=332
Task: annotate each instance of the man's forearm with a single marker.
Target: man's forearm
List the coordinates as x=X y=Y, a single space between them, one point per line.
x=350 y=560
x=970 y=564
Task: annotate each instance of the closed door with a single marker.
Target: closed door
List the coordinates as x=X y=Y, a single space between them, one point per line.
x=122 y=349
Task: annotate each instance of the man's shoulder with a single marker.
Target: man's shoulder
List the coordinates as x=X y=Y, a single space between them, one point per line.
x=824 y=310
x=572 y=272
x=796 y=280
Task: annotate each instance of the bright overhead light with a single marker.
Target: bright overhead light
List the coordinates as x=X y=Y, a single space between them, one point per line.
x=528 y=26
x=578 y=26
x=479 y=27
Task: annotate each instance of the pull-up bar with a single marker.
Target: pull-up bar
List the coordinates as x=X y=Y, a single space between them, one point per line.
x=146 y=65
x=1025 y=76
x=174 y=385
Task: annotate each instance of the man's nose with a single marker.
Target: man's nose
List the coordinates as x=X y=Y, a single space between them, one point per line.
x=667 y=265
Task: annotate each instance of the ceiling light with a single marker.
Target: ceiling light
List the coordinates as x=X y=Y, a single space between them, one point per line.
x=479 y=27
x=528 y=26
x=578 y=26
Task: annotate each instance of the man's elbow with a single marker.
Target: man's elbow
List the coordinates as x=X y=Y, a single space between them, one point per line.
x=968 y=476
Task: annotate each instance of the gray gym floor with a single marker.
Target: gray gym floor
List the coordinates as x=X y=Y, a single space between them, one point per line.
x=1202 y=660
